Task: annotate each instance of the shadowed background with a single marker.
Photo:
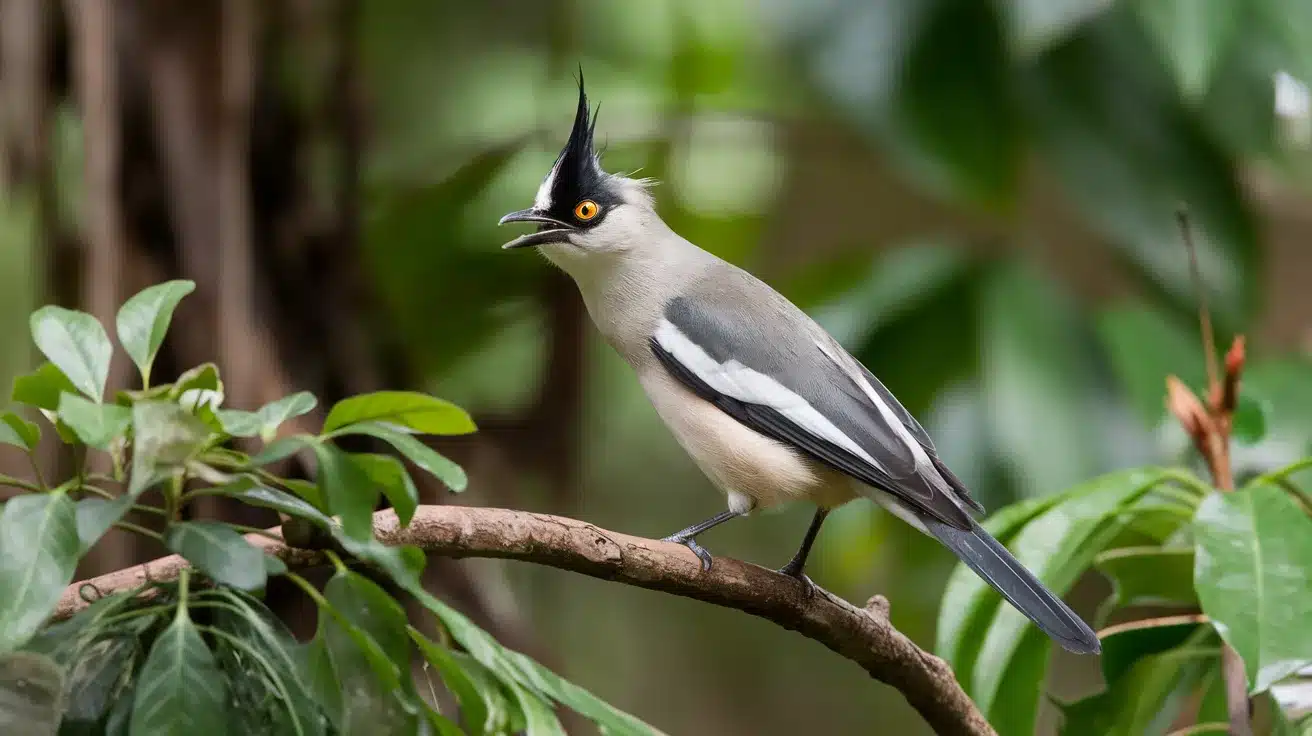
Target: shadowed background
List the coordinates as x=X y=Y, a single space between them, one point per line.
x=977 y=198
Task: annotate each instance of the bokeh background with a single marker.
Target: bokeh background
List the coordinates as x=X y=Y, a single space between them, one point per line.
x=978 y=198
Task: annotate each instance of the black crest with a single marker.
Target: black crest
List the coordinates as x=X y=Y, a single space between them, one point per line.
x=577 y=174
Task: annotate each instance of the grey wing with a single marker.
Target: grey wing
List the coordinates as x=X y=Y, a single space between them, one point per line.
x=766 y=368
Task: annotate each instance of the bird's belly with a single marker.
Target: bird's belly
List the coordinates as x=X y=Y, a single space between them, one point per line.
x=754 y=470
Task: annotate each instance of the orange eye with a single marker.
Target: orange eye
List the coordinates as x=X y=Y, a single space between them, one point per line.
x=586 y=210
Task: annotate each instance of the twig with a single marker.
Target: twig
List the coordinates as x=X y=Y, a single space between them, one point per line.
x=863 y=635
x=1204 y=316
x=1210 y=426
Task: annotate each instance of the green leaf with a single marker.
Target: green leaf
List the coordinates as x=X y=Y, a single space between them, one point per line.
x=143 y=320
x=391 y=476
x=39 y=549
x=611 y=719
x=17 y=431
x=180 y=691
x=96 y=424
x=412 y=410
x=316 y=669
x=365 y=634
x=1145 y=345
x=274 y=649
x=251 y=491
x=166 y=437
x=348 y=489
x=97 y=677
x=42 y=388
x=266 y=421
x=66 y=639
x=1035 y=381
x=218 y=551
x=1057 y=547
x=1127 y=643
x=76 y=343
x=307 y=491
x=1109 y=123
x=538 y=716
x=96 y=515
x=1133 y=705
x=511 y=666
x=402 y=563
x=980 y=162
x=283 y=448
x=1193 y=35
x=372 y=611
x=31 y=694
x=415 y=451
x=1036 y=25
x=1253 y=578
x=1149 y=575
x=482 y=705
x=1250 y=419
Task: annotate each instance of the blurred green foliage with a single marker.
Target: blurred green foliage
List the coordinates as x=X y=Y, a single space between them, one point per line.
x=1121 y=111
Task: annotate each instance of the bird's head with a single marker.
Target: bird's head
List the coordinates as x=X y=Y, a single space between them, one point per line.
x=580 y=210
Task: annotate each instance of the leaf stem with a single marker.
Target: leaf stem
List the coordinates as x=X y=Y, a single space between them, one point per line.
x=96 y=490
x=1276 y=476
x=1189 y=481
x=9 y=480
x=309 y=590
x=129 y=526
x=173 y=498
x=149 y=509
x=1176 y=494
x=1301 y=498
x=36 y=470
x=190 y=496
x=1197 y=728
x=256 y=530
x=337 y=561
x=184 y=577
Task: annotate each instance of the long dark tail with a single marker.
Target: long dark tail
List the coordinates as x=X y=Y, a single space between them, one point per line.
x=992 y=562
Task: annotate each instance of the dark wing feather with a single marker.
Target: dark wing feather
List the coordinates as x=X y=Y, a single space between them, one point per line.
x=913 y=489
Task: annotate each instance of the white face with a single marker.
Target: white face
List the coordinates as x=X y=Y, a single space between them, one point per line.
x=621 y=229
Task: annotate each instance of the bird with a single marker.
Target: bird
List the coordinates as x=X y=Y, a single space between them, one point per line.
x=770 y=407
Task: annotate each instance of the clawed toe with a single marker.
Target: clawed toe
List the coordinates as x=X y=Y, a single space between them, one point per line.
x=808 y=586
x=696 y=548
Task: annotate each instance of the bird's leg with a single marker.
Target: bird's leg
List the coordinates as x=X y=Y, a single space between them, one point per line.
x=794 y=567
x=688 y=537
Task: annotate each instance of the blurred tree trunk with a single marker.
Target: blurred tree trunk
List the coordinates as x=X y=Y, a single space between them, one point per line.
x=197 y=166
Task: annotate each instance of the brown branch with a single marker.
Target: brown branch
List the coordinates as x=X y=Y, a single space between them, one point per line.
x=863 y=635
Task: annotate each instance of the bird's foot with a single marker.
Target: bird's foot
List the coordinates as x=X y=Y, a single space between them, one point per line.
x=697 y=549
x=794 y=571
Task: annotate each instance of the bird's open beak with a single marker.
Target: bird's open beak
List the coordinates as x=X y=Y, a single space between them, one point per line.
x=550 y=230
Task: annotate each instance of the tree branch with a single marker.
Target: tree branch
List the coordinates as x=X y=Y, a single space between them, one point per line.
x=863 y=635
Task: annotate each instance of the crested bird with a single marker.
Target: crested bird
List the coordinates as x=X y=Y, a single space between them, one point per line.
x=767 y=403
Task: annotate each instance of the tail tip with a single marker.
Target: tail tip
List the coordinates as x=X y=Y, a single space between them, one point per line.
x=1084 y=642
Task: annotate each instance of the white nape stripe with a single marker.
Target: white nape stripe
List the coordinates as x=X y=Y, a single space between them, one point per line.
x=543 y=199
x=734 y=379
x=924 y=466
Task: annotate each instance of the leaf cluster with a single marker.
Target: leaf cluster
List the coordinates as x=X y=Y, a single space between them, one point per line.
x=204 y=654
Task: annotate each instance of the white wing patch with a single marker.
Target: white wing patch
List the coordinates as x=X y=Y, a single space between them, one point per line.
x=924 y=466
x=740 y=382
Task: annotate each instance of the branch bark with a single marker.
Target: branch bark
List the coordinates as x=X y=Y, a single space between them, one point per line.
x=863 y=635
